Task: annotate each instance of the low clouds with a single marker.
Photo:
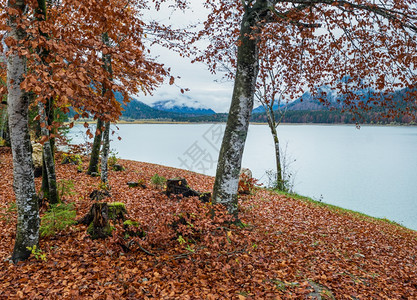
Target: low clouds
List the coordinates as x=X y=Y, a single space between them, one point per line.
x=208 y=89
x=204 y=87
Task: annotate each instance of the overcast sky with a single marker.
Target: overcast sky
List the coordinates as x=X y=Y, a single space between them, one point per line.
x=209 y=90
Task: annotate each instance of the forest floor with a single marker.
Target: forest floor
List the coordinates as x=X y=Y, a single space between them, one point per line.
x=287 y=248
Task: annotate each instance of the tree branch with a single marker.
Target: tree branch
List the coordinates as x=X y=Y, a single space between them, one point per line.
x=286 y=16
x=389 y=14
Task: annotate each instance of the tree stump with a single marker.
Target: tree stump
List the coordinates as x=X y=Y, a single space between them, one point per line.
x=73 y=159
x=118 y=168
x=179 y=186
x=117 y=211
x=98 y=195
x=133 y=184
x=99 y=216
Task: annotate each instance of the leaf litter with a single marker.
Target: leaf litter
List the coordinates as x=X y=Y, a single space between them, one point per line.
x=284 y=249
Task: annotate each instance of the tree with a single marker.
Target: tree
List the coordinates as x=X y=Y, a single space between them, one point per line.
x=106 y=134
x=27 y=229
x=339 y=43
x=71 y=73
x=46 y=115
x=114 y=42
x=273 y=94
x=269 y=93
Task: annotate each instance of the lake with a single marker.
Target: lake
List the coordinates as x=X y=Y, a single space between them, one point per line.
x=372 y=170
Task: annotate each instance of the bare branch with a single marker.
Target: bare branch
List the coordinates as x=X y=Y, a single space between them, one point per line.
x=389 y=14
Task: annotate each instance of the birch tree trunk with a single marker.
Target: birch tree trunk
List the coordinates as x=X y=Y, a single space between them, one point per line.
x=273 y=124
x=230 y=157
x=27 y=229
x=280 y=183
x=106 y=135
x=48 y=159
x=105 y=152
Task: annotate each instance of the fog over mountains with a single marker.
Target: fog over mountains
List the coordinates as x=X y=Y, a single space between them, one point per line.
x=166 y=109
x=189 y=108
x=305 y=109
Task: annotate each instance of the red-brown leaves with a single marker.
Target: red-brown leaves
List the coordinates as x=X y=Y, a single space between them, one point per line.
x=284 y=247
x=64 y=54
x=171 y=80
x=373 y=45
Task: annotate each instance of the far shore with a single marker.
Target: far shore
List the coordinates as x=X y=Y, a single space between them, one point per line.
x=153 y=121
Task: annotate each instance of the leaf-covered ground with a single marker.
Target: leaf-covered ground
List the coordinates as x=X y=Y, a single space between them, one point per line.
x=288 y=248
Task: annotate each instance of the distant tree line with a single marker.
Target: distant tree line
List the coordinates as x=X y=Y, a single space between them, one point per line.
x=334 y=117
x=311 y=116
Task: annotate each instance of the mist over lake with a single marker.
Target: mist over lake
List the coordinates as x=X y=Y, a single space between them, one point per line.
x=372 y=170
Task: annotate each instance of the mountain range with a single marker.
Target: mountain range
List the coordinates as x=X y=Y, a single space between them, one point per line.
x=306 y=109
x=306 y=102
x=165 y=109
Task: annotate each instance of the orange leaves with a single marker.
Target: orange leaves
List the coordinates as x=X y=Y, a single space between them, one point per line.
x=69 y=92
x=9 y=41
x=43 y=139
x=37 y=89
x=171 y=80
x=302 y=57
x=64 y=59
x=286 y=247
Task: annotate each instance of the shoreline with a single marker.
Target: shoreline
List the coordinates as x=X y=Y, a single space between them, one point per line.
x=298 y=197
x=158 y=122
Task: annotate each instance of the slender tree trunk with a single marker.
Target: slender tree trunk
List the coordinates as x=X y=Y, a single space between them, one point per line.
x=106 y=134
x=48 y=159
x=27 y=229
x=105 y=152
x=49 y=113
x=230 y=157
x=280 y=183
x=3 y=123
x=46 y=112
x=45 y=184
x=95 y=152
x=272 y=123
x=7 y=134
x=5 y=128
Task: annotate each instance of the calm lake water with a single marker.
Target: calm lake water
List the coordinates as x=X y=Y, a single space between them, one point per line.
x=372 y=170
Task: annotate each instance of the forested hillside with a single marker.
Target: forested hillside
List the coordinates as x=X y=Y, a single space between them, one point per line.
x=306 y=109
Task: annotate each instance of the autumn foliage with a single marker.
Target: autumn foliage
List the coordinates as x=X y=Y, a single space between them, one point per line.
x=345 y=45
x=285 y=248
x=180 y=247
x=65 y=51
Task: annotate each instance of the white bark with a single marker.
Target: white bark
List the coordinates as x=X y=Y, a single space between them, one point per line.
x=230 y=157
x=105 y=153
x=106 y=134
x=27 y=231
